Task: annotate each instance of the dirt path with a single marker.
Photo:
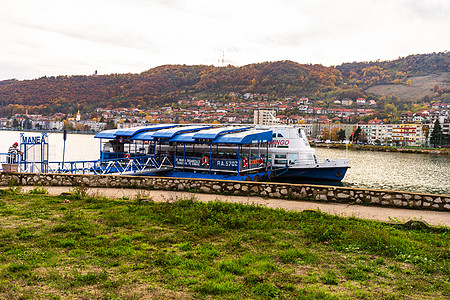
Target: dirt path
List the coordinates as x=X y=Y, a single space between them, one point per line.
x=434 y=218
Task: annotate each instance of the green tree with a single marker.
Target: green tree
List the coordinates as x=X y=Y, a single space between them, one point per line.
x=436 y=134
x=341 y=135
x=356 y=134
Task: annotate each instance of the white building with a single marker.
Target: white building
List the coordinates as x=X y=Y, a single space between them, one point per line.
x=265 y=117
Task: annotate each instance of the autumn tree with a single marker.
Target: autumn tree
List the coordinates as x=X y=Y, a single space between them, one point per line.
x=334 y=135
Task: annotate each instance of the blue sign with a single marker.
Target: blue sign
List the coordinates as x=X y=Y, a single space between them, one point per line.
x=198 y=162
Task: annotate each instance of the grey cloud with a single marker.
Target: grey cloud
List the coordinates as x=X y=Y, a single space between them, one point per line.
x=293 y=39
x=100 y=35
x=429 y=10
x=234 y=49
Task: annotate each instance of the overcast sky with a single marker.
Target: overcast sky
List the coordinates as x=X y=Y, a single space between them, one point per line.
x=65 y=37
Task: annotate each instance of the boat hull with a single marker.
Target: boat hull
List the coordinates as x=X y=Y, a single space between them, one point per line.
x=264 y=176
x=298 y=174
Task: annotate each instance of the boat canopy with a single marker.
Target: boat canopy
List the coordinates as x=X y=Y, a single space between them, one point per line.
x=184 y=138
x=245 y=137
x=212 y=134
x=106 y=134
x=238 y=135
x=239 y=138
x=171 y=132
x=144 y=136
x=130 y=132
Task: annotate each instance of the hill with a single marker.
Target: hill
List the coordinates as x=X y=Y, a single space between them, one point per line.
x=366 y=74
x=420 y=87
x=411 y=78
x=163 y=85
x=167 y=84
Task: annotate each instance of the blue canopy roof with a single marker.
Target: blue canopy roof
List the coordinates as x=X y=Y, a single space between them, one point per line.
x=106 y=134
x=245 y=137
x=171 y=132
x=144 y=136
x=184 y=138
x=212 y=134
x=191 y=134
x=129 y=132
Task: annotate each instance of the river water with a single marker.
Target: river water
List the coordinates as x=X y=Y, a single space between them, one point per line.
x=376 y=170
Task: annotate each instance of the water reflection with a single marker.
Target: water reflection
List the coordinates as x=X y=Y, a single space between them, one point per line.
x=395 y=171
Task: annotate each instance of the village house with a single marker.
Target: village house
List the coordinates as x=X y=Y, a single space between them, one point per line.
x=361 y=101
x=347 y=102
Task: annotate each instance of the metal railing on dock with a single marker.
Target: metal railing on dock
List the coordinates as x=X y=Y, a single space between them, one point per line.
x=130 y=166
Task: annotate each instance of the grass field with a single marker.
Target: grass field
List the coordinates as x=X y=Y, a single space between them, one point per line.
x=97 y=248
x=420 y=86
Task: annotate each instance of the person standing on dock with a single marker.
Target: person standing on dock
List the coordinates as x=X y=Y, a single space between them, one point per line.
x=13 y=151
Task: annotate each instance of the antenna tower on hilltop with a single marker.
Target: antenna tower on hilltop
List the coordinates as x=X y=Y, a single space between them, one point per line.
x=223 y=60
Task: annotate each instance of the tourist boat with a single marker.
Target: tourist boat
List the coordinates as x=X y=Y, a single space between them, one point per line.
x=189 y=151
x=293 y=160
x=279 y=153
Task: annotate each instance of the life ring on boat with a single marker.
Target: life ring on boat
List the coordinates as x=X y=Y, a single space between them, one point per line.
x=245 y=162
x=121 y=140
x=127 y=156
x=205 y=160
x=261 y=161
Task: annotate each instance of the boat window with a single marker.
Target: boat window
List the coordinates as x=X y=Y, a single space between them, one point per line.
x=280 y=159
x=107 y=147
x=281 y=133
x=293 y=158
x=302 y=134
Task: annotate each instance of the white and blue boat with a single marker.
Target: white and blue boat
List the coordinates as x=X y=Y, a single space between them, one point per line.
x=293 y=160
x=193 y=151
x=280 y=153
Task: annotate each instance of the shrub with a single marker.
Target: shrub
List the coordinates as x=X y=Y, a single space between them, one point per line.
x=38 y=191
x=329 y=278
x=292 y=256
x=267 y=290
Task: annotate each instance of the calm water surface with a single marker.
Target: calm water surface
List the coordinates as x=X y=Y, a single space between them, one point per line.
x=395 y=171
x=377 y=170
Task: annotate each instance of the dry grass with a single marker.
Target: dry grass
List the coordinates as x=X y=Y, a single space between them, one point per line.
x=420 y=87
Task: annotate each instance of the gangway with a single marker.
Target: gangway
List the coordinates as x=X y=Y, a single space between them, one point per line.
x=131 y=166
x=135 y=166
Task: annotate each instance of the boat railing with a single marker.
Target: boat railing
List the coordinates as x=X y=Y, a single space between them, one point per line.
x=8 y=158
x=9 y=162
x=285 y=162
x=133 y=165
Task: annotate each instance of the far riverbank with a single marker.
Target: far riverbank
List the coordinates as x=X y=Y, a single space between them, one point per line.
x=435 y=151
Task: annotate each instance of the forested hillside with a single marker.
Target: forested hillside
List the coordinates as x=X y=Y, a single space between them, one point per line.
x=166 y=84
x=366 y=74
x=163 y=85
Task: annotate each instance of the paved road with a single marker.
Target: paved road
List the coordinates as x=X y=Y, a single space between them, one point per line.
x=434 y=218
